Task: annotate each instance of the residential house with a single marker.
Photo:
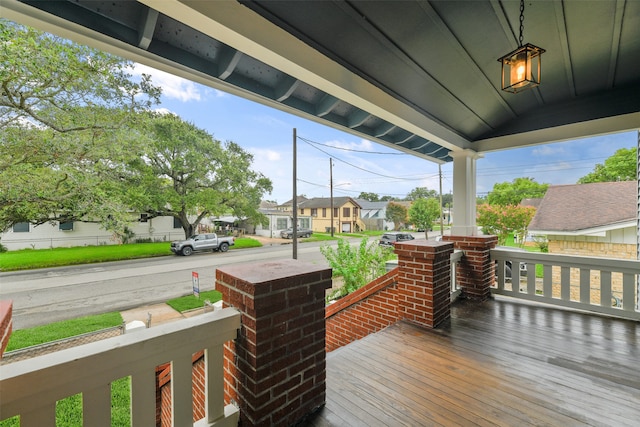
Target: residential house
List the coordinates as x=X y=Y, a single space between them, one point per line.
x=346 y=214
x=279 y=218
x=76 y=233
x=373 y=215
x=597 y=220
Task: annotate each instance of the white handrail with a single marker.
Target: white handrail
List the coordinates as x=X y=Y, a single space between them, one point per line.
x=31 y=388
x=454 y=258
x=558 y=290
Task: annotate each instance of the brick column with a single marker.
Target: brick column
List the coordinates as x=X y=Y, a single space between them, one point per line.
x=6 y=324
x=424 y=281
x=275 y=370
x=475 y=272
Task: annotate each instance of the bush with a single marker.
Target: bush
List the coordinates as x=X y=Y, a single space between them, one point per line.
x=542 y=243
x=357 y=266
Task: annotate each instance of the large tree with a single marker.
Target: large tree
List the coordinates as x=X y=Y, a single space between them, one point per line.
x=185 y=173
x=423 y=212
x=397 y=214
x=512 y=193
x=504 y=220
x=621 y=166
x=372 y=197
x=64 y=111
x=421 y=193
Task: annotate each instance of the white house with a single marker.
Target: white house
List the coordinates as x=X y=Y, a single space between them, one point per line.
x=75 y=233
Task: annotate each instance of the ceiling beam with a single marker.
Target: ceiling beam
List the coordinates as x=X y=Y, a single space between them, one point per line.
x=239 y=27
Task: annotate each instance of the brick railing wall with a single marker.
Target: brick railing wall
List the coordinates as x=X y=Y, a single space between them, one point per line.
x=475 y=272
x=275 y=369
x=6 y=324
x=418 y=290
x=363 y=312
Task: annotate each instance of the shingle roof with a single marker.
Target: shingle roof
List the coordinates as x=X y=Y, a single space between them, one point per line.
x=570 y=208
x=319 y=202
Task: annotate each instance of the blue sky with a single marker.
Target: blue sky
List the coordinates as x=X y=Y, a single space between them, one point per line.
x=267 y=134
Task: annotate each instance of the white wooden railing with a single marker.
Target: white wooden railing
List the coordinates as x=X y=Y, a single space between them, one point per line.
x=602 y=285
x=31 y=388
x=454 y=258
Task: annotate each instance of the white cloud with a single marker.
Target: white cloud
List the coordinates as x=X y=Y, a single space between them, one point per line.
x=548 y=150
x=173 y=87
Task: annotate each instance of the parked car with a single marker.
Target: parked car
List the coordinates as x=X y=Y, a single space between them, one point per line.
x=300 y=232
x=508 y=264
x=202 y=242
x=388 y=239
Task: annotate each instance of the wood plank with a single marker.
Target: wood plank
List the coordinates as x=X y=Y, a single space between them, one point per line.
x=495 y=363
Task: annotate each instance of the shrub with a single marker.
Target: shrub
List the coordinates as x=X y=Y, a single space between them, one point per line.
x=356 y=265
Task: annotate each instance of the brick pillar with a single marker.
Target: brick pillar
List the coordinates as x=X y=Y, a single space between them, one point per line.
x=424 y=281
x=275 y=369
x=6 y=324
x=475 y=272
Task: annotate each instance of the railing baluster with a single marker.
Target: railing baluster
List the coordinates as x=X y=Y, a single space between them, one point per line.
x=585 y=285
x=96 y=406
x=181 y=391
x=547 y=281
x=214 y=382
x=605 y=289
x=42 y=416
x=531 y=278
x=565 y=283
x=628 y=292
x=143 y=398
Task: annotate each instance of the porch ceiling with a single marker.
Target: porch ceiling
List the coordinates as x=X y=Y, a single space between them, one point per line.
x=420 y=76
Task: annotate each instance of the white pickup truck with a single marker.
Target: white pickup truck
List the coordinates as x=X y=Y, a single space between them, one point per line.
x=202 y=242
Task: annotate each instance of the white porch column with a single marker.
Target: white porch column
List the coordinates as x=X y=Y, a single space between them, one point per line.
x=464 y=193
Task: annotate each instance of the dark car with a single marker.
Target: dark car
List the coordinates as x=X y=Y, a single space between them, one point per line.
x=388 y=239
x=300 y=232
x=508 y=264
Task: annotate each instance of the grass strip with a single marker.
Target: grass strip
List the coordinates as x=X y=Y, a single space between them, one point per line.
x=29 y=259
x=58 y=330
x=190 y=302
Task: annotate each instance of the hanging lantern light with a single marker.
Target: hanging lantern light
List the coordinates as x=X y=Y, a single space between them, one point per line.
x=521 y=68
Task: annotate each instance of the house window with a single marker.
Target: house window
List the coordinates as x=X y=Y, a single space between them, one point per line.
x=304 y=222
x=335 y=212
x=145 y=217
x=355 y=212
x=281 y=223
x=324 y=212
x=314 y=211
x=66 y=226
x=301 y=211
x=346 y=212
x=21 y=227
x=177 y=223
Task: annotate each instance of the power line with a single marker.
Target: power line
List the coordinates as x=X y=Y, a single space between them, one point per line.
x=308 y=141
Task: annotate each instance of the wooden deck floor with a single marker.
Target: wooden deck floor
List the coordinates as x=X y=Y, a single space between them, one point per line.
x=497 y=363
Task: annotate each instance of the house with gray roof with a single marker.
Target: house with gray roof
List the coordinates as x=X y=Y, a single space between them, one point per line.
x=596 y=219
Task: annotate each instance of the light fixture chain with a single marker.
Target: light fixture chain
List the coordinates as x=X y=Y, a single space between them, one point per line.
x=521 y=21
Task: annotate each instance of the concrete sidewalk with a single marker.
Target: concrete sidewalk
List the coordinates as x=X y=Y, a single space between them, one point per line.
x=160 y=314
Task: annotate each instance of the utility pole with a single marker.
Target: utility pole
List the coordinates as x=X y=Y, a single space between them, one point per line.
x=331 y=192
x=294 y=226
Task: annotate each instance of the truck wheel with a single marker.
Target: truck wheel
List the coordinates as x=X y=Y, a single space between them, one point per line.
x=186 y=251
x=224 y=247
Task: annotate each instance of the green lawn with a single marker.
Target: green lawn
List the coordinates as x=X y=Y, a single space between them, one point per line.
x=28 y=259
x=190 y=302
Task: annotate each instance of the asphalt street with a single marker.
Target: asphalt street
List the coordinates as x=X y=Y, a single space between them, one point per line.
x=48 y=295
